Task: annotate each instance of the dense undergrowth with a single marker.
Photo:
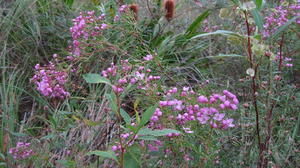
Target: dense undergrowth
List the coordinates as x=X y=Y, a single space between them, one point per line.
x=149 y=83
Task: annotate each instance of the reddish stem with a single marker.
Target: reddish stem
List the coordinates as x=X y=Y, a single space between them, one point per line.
x=254 y=92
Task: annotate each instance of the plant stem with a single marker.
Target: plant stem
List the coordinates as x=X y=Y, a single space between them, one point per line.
x=254 y=91
x=280 y=52
x=119 y=132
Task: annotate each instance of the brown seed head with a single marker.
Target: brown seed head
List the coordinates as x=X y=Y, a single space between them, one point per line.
x=169 y=6
x=135 y=9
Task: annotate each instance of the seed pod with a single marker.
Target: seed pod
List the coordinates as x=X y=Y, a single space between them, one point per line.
x=169 y=6
x=135 y=9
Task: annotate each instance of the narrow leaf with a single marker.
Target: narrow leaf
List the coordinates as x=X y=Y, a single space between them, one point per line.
x=194 y=26
x=257 y=19
x=218 y=32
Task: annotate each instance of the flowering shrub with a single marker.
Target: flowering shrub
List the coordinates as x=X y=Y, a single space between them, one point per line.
x=154 y=109
x=181 y=108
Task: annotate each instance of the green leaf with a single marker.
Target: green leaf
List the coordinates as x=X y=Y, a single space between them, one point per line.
x=132 y=128
x=2 y=156
x=47 y=137
x=257 y=19
x=95 y=78
x=283 y=27
x=147 y=138
x=236 y=2
x=69 y=2
x=147 y=115
x=18 y=134
x=147 y=131
x=218 y=32
x=132 y=157
x=104 y=154
x=166 y=45
x=259 y=4
x=125 y=116
x=194 y=26
x=66 y=163
x=112 y=101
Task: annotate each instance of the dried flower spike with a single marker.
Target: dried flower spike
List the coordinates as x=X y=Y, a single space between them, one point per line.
x=135 y=9
x=169 y=6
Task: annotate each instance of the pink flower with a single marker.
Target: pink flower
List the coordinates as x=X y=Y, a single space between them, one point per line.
x=148 y=57
x=219 y=116
x=227 y=123
x=103 y=26
x=202 y=99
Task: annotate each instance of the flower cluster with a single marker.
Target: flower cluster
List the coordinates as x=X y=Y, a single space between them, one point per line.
x=85 y=26
x=278 y=17
x=140 y=76
x=21 y=151
x=206 y=111
x=50 y=82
